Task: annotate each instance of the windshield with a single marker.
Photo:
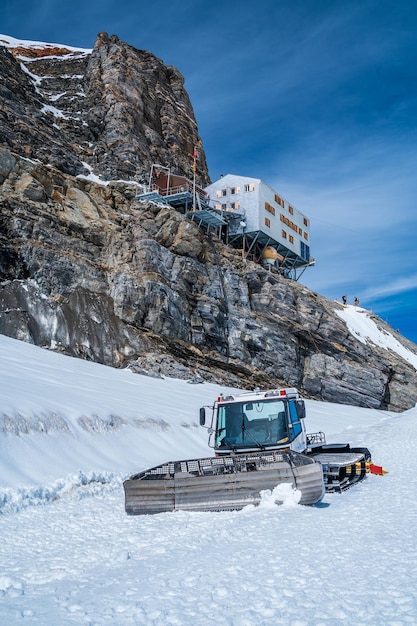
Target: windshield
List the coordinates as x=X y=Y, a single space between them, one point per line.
x=251 y=424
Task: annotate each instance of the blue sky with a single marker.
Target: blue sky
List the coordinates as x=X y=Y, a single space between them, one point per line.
x=316 y=97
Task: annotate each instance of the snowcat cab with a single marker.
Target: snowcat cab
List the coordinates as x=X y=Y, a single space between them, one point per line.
x=258 y=421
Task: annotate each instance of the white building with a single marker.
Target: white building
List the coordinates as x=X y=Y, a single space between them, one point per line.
x=263 y=219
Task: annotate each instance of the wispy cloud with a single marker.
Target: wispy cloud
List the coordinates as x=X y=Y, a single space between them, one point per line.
x=402 y=285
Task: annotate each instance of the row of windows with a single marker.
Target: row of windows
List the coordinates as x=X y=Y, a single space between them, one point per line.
x=290 y=224
x=294 y=227
x=231 y=206
x=231 y=191
x=284 y=232
x=284 y=219
x=269 y=208
x=279 y=200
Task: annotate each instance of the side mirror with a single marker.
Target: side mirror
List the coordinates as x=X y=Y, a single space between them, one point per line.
x=301 y=409
x=202 y=416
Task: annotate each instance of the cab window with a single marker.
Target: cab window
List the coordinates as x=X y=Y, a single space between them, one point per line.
x=294 y=420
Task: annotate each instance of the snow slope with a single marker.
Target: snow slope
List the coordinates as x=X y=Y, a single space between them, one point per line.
x=71 y=430
x=365 y=329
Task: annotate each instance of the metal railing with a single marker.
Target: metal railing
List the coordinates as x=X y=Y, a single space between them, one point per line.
x=177 y=190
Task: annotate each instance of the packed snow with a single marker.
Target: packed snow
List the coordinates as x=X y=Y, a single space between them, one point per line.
x=71 y=431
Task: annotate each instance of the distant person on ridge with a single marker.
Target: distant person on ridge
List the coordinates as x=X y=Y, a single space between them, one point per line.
x=356 y=302
x=344 y=299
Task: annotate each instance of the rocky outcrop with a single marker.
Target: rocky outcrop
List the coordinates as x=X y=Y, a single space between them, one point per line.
x=112 y=111
x=139 y=113
x=88 y=270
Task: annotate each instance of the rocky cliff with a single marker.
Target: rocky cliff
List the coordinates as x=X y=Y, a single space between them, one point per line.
x=88 y=270
x=113 y=109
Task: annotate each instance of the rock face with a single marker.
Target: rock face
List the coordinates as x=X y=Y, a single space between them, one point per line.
x=114 y=110
x=88 y=270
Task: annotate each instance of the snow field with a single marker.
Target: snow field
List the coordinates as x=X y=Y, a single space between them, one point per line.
x=71 y=431
x=81 y=560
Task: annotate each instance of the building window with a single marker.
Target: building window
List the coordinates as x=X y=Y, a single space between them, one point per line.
x=224 y=206
x=300 y=231
x=267 y=222
x=269 y=208
x=233 y=190
x=305 y=220
x=279 y=200
x=233 y=205
x=291 y=239
x=305 y=251
x=306 y=236
x=290 y=209
x=224 y=192
x=249 y=187
x=284 y=234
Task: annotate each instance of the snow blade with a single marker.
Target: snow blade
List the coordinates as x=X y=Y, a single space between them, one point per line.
x=221 y=483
